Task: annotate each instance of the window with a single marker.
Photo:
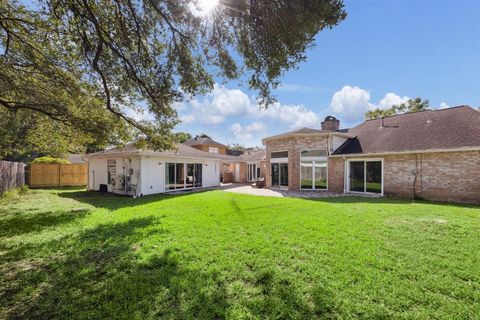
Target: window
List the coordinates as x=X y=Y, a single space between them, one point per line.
x=183 y=175
x=313 y=169
x=366 y=176
x=170 y=176
x=279 y=175
x=212 y=150
x=253 y=171
x=111 y=170
x=279 y=154
x=314 y=153
x=197 y=175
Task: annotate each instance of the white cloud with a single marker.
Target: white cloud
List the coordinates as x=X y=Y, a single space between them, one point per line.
x=223 y=103
x=215 y=107
x=245 y=134
x=391 y=99
x=443 y=105
x=351 y=102
x=295 y=116
x=290 y=87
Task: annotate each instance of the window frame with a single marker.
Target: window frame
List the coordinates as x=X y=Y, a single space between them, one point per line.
x=313 y=160
x=364 y=160
x=185 y=164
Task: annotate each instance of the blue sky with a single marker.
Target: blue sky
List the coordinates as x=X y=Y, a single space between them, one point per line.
x=383 y=53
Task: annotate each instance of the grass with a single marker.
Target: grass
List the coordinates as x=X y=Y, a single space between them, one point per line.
x=70 y=254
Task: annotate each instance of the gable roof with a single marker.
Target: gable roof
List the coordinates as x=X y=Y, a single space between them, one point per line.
x=452 y=128
x=180 y=150
x=203 y=139
x=254 y=155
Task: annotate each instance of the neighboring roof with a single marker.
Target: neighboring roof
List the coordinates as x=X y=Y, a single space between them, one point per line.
x=76 y=158
x=452 y=128
x=309 y=131
x=203 y=139
x=254 y=155
x=180 y=151
x=236 y=153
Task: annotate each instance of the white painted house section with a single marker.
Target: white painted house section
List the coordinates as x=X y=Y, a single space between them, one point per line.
x=148 y=172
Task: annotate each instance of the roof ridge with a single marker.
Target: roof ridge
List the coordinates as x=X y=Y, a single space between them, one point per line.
x=416 y=112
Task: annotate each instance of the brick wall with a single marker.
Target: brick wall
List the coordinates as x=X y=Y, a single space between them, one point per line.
x=293 y=145
x=204 y=147
x=443 y=176
x=335 y=168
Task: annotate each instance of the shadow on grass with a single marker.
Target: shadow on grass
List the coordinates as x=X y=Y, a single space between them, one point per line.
x=113 y=201
x=107 y=273
x=21 y=223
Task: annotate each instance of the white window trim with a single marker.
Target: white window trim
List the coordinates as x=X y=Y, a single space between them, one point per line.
x=313 y=159
x=211 y=150
x=347 y=169
x=250 y=172
x=184 y=173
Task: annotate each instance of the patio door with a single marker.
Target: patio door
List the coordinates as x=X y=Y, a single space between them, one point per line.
x=279 y=175
x=366 y=176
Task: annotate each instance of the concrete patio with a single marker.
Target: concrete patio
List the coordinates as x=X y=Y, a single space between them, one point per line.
x=315 y=194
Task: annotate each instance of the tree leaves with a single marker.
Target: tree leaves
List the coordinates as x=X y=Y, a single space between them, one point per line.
x=130 y=53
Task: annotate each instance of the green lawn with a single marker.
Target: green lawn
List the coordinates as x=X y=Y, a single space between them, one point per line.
x=71 y=254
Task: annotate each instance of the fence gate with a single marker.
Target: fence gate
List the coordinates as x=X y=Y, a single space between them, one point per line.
x=58 y=175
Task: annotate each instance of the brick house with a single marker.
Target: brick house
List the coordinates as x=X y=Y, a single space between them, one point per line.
x=232 y=168
x=432 y=154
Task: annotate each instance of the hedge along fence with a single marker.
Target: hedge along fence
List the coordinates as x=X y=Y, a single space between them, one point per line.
x=12 y=175
x=58 y=175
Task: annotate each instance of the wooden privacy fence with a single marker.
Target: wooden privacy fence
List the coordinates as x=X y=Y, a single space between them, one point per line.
x=58 y=175
x=12 y=175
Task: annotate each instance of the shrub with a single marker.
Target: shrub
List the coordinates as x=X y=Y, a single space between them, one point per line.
x=48 y=159
x=23 y=189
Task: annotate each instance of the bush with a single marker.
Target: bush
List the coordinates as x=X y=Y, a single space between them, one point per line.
x=48 y=159
x=23 y=189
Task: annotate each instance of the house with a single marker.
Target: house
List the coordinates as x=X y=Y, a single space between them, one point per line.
x=133 y=171
x=231 y=171
x=432 y=154
x=207 y=144
x=254 y=164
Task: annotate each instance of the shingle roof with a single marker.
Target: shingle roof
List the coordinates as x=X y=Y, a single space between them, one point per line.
x=180 y=150
x=254 y=155
x=203 y=140
x=452 y=128
x=342 y=132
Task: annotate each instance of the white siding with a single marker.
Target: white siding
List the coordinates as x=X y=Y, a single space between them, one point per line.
x=153 y=173
x=98 y=171
x=336 y=142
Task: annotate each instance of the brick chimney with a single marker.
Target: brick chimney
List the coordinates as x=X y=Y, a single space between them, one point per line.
x=330 y=123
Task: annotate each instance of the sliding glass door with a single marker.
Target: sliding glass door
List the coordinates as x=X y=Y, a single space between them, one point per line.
x=183 y=175
x=357 y=176
x=279 y=175
x=366 y=176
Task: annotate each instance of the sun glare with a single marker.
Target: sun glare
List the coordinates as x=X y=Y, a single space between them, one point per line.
x=206 y=6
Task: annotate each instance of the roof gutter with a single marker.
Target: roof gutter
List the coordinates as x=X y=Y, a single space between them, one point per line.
x=405 y=152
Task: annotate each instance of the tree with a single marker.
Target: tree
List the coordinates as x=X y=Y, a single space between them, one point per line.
x=412 y=105
x=181 y=137
x=240 y=147
x=58 y=55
